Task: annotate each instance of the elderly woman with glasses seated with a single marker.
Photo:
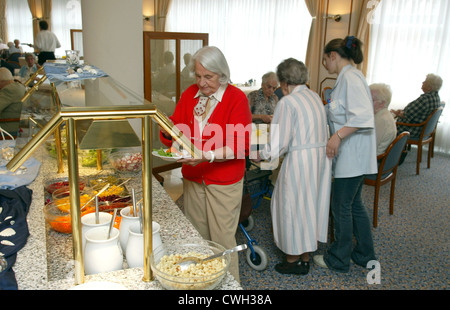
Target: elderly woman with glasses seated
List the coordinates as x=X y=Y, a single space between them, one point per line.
x=263 y=101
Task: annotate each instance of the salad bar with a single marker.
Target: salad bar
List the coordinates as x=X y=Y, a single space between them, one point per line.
x=78 y=136
x=46 y=261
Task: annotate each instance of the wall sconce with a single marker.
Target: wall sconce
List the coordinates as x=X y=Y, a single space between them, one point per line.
x=337 y=18
x=147 y=18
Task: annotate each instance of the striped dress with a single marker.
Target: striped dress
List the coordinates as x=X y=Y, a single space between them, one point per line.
x=301 y=198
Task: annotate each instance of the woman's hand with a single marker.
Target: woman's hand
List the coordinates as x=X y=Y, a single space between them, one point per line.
x=333 y=146
x=267 y=118
x=336 y=140
x=195 y=161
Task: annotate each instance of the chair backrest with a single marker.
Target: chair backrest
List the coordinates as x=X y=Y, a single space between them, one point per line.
x=431 y=122
x=393 y=153
x=15 y=57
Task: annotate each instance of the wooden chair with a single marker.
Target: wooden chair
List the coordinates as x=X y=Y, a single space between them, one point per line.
x=426 y=136
x=387 y=172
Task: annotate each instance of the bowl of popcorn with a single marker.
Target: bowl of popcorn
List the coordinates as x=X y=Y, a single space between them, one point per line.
x=125 y=162
x=202 y=276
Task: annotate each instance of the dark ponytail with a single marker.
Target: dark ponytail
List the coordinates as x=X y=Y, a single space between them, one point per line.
x=348 y=48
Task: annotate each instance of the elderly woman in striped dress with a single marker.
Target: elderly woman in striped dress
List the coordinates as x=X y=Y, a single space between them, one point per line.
x=301 y=198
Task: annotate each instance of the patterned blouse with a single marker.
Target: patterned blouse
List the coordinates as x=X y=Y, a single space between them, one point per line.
x=260 y=105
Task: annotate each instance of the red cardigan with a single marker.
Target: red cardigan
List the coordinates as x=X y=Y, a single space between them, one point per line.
x=232 y=110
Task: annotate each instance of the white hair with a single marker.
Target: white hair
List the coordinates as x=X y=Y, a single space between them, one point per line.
x=269 y=76
x=212 y=59
x=5 y=74
x=381 y=92
x=434 y=81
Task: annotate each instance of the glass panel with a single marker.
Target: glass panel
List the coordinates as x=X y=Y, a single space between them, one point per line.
x=92 y=87
x=78 y=42
x=163 y=69
x=187 y=49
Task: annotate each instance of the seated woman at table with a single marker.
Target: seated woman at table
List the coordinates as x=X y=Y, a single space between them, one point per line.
x=263 y=101
x=30 y=68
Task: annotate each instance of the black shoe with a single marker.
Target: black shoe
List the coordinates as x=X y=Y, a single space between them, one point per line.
x=298 y=267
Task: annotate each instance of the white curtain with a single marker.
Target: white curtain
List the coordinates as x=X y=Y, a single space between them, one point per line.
x=254 y=35
x=409 y=39
x=66 y=15
x=20 y=23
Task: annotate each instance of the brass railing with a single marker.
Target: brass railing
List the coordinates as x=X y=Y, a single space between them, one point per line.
x=70 y=116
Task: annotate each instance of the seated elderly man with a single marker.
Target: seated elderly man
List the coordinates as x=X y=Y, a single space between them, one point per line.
x=11 y=93
x=385 y=127
x=418 y=110
x=263 y=101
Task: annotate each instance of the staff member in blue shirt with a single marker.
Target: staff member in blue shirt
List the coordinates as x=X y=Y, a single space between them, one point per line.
x=353 y=148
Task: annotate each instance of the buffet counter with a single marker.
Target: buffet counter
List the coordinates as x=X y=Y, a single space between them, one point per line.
x=46 y=262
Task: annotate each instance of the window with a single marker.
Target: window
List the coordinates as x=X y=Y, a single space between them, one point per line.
x=20 y=23
x=255 y=36
x=66 y=15
x=409 y=39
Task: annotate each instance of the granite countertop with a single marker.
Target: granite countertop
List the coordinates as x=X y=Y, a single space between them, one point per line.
x=46 y=261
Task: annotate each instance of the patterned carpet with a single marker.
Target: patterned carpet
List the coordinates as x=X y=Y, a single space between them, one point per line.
x=412 y=245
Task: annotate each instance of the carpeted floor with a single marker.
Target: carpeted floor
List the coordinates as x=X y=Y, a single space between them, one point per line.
x=412 y=245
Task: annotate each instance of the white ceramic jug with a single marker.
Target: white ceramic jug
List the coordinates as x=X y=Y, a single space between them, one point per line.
x=88 y=222
x=135 y=245
x=125 y=223
x=102 y=254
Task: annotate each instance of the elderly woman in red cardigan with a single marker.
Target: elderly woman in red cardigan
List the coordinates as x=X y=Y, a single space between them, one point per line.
x=216 y=117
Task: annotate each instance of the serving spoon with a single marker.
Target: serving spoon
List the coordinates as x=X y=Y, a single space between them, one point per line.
x=189 y=260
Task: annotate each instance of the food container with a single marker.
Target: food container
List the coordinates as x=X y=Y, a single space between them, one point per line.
x=172 y=277
x=135 y=246
x=98 y=182
x=62 y=199
x=102 y=254
x=59 y=219
x=126 y=162
x=128 y=219
x=62 y=184
x=88 y=158
x=88 y=222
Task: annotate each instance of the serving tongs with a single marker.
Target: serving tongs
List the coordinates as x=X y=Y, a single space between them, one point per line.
x=189 y=260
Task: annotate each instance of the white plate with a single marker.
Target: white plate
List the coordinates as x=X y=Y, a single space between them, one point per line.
x=166 y=158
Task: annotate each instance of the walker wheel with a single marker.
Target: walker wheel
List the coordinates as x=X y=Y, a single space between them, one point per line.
x=259 y=261
x=249 y=223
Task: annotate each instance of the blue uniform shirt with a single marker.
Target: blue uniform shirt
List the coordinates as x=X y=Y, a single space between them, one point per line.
x=351 y=106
